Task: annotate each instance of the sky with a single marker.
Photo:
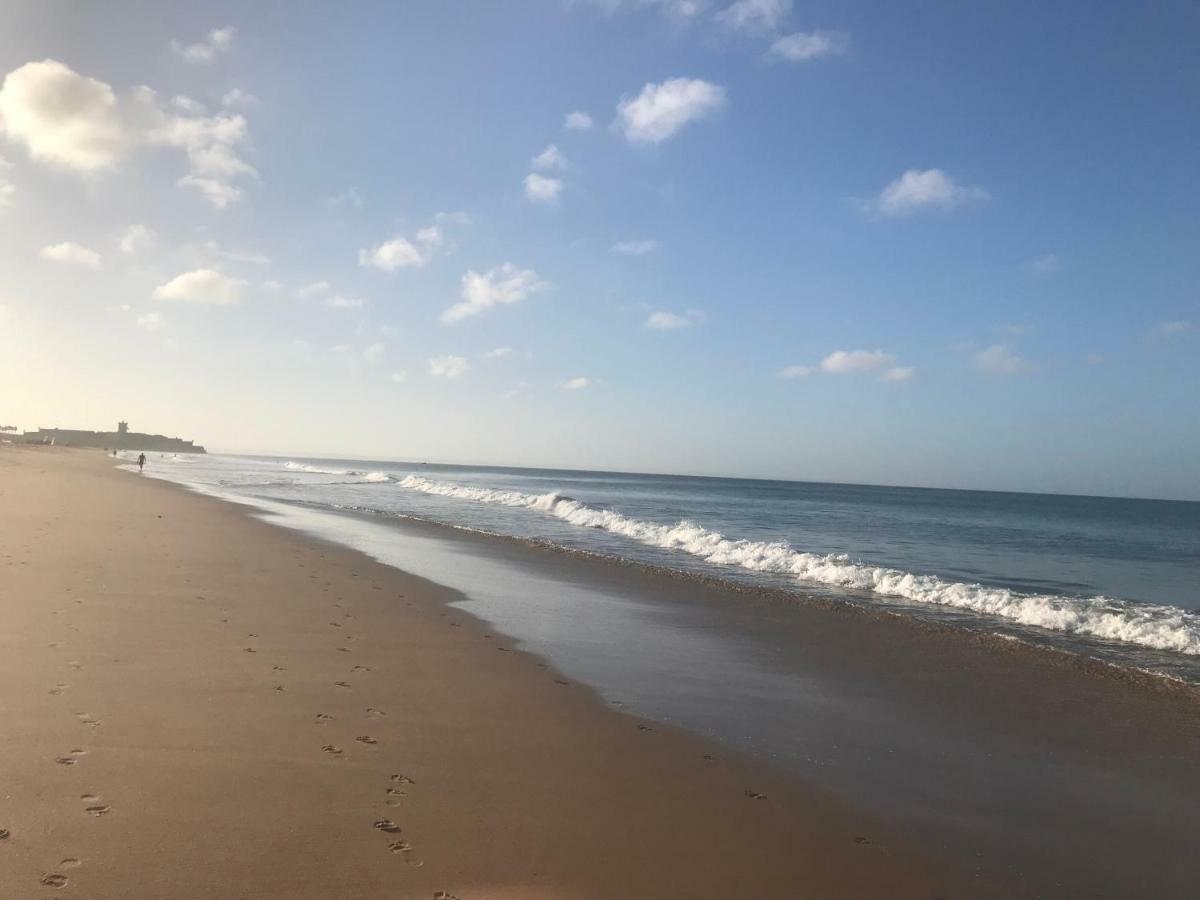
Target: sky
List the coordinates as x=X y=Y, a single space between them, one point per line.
x=937 y=244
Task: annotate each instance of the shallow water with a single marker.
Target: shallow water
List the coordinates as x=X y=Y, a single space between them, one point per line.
x=1114 y=578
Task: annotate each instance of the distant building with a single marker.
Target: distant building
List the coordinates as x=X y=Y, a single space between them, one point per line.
x=121 y=439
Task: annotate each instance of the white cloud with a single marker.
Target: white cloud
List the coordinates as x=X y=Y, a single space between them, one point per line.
x=62 y=117
x=499 y=353
x=1094 y=359
x=315 y=289
x=578 y=121
x=805 y=46
x=501 y=285
x=999 y=359
x=755 y=16
x=918 y=190
x=341 y=301
x=151 y=321
x=550 y=160
x=1171 y=329
x=201 y=286
x=1044 y=265
x=852 y=362
x=677 y=9
x=373 y=354
x=398 y=377
x=635 y=248
x=218 y=41
x=578 y=383
x=7 y=189
x=796 y=371
x=238 y=97
x=272 y=285
x=186 y=104
x=401 y=253
x=541 y=189
x=448 y=366
x=669 y=321
x=71 y=254
x=136 y=239
x=849 y=362
x=661 y=110
x=74 y=122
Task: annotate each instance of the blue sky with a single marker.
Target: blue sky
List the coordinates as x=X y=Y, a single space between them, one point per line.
x=936 y=244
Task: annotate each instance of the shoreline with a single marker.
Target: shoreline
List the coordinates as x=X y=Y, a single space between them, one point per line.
x=990 y=751
x=204 y=771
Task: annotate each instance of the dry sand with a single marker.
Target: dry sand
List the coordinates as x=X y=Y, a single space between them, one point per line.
x=200 y=705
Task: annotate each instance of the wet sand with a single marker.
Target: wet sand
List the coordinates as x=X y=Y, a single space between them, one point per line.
x=201 y=705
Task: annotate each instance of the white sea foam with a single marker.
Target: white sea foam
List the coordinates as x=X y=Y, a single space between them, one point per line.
x=1153 y=626
x=315 y=470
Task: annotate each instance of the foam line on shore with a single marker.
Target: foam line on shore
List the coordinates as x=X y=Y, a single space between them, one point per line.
x=1158 y=627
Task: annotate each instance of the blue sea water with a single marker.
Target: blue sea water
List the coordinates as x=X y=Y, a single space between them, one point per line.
x=1115 y=578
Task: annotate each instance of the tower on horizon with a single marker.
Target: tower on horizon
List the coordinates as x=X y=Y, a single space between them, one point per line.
x=122 y=428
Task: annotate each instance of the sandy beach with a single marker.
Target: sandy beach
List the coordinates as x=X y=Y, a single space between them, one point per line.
x=202 y=705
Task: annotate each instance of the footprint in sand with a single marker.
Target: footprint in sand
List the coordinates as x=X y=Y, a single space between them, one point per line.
x=454 y=625
x=70 y=863
x=70 y=759
x=54 y=879
x=278 y=669
x=343 y=649
x=336 y=624
x=75 y=664
x=360 y=669
x=366 y=739
x=373 y=713
x=100 y=809
x=387 y=826
x=322 y=718
x=58 y=689
x=5 y=834
x=85 y=719
x=859 y=839
x=505 y=649
x=402 y=779
x=332 y=750
x=560 y=681
x=393 y=796
x=279 y=687
x=645 y=728
x=250 y=650
x=754 y=795
x=444 y=895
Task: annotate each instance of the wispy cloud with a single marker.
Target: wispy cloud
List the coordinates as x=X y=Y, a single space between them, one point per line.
x=151 y=321
x=671 y=321
x=918 y=190
x=853 y=362
x=578 y=121
x=343 y=301
x=542 y=189
x=205 y=286
x=660 y=111
x=755 y=16
x=806 y=46
x=1000 y=360
x=1044 y=265
x=136 y=239
x=635 y=248
x=313 y=289
x=71 y=254
x=499 y=353
x=550 y=160
x=77 y=123
x=502 y=285
x=578 y=383
x=215 y=43
x=448 y=367
x=1174 y=329
x=402 y=253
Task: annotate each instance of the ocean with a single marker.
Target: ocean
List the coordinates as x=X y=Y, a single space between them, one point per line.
x=992 y=756
x=1114 y=578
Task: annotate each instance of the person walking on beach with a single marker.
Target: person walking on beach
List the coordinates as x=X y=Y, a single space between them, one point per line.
x=141 y=461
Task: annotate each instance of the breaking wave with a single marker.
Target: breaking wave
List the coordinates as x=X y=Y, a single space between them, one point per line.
x=367 y=477
x=1154 y=626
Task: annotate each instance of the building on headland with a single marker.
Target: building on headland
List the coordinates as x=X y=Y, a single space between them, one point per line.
x=121 y=439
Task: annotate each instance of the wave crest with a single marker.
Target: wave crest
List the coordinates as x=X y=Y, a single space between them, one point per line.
x=1153 y=626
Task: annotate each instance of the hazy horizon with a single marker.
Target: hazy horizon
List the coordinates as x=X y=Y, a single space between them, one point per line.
x=935 y=246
